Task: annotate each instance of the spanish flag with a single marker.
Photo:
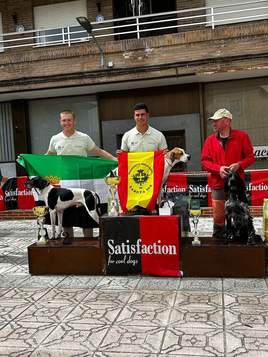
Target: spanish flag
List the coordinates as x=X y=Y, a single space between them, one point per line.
x=141 y=178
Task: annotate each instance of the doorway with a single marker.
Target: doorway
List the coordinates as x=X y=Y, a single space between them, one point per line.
x=131 y=8
x=176 y=138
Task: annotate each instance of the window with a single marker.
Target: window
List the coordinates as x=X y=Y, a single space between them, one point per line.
x=52 y=21
x=129 y=8
x=6 y=133
x=237 y=11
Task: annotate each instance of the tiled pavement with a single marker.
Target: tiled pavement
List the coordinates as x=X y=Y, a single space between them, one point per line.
x=130 y=316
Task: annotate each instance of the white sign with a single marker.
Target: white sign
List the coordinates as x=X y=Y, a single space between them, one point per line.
x=260 y=151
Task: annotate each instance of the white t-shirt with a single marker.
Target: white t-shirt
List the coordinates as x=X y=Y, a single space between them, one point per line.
x=151 y=140
x=76 y=144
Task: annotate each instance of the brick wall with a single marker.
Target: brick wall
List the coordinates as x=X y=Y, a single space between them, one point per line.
x=106 y=9
x=24 y=11
x=79 y=64
x=191 y=4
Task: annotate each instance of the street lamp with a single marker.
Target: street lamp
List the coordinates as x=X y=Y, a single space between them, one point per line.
x=85 y=23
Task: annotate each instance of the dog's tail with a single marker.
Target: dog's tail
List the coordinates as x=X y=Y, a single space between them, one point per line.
x=98 y=204
x=92 y=206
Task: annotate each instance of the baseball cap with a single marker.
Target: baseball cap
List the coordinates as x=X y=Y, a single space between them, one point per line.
x=221 y=113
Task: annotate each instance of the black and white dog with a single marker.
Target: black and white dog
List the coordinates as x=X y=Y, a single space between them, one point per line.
x=239 y=222
x=58 y=199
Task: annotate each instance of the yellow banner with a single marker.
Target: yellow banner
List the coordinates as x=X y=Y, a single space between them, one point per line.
x=140 y=179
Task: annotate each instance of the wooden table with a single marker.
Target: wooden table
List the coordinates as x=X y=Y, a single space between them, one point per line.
x=214 y=258
x=81 y=257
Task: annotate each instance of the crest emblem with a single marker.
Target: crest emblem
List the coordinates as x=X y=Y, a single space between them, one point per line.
x=140 y=178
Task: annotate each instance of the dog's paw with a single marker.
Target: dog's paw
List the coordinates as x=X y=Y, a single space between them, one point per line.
x=251 y=241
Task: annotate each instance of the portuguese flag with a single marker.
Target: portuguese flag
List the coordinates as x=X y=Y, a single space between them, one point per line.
x=141 y=178
x=70 y=171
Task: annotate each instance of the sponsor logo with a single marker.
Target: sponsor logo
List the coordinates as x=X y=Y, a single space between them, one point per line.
x=139 y=248
x=260 y=151
x=199 y=188
x=175 y=189
x=140 y=178
x=191 y=188
x=260 y=187
x=18 y=193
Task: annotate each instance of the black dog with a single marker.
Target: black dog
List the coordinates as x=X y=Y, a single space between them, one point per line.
x=239 y=222
x=58 y=199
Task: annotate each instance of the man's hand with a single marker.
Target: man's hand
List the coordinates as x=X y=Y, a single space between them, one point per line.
x=224 y=171
x=118 y=151
x=234 y=167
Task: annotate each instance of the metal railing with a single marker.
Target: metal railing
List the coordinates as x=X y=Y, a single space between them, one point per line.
x=140 y=26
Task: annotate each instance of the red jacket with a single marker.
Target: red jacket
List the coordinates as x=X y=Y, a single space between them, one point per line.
x=238 y=149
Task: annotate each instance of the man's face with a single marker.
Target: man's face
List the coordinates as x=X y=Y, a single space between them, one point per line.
x=220 y=124
x=141 y=117
x=67 y=122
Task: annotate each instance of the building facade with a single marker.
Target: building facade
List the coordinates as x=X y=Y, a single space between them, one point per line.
x=185 y=59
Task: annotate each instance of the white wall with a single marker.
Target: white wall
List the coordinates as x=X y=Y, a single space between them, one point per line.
x=59 y=15
x=8 y=169
x=232 y=17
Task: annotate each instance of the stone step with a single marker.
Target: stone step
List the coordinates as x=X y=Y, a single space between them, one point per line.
x=28 y=214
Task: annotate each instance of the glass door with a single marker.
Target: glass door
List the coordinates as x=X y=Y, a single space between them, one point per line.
x=132 y=8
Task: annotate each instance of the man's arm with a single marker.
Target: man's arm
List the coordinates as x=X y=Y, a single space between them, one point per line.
x=248 y=153
x=50 y=153
x=207 y=159
x=102 y=153
x=51 y=148
x=124 y=146
x=163 y=143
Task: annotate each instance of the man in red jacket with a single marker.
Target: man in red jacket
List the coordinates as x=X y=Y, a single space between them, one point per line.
x=227 y=150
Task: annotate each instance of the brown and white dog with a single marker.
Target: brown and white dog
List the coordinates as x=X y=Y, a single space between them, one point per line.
x=58 y=199
x=172 y=157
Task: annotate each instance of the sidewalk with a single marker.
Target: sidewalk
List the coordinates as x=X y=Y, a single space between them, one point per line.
x=104 y=316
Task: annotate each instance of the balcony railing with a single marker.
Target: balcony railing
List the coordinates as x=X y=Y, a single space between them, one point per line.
x=140 y=26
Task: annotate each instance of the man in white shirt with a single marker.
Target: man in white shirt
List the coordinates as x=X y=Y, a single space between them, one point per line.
x=73 y=142
x=143 y=137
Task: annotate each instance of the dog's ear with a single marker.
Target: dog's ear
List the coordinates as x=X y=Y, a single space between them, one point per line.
x=172 y=156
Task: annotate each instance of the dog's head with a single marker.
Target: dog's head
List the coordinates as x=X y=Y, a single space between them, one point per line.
x=237 y=217
x=177 y=155
x=36 y=182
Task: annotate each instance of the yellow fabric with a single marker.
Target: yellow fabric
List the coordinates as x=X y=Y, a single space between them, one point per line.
x=218 y=212
x=140 y=179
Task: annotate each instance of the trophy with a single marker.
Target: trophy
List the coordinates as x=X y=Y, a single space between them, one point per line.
x=113 y=203
x=195 y=213
x=40 y=212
